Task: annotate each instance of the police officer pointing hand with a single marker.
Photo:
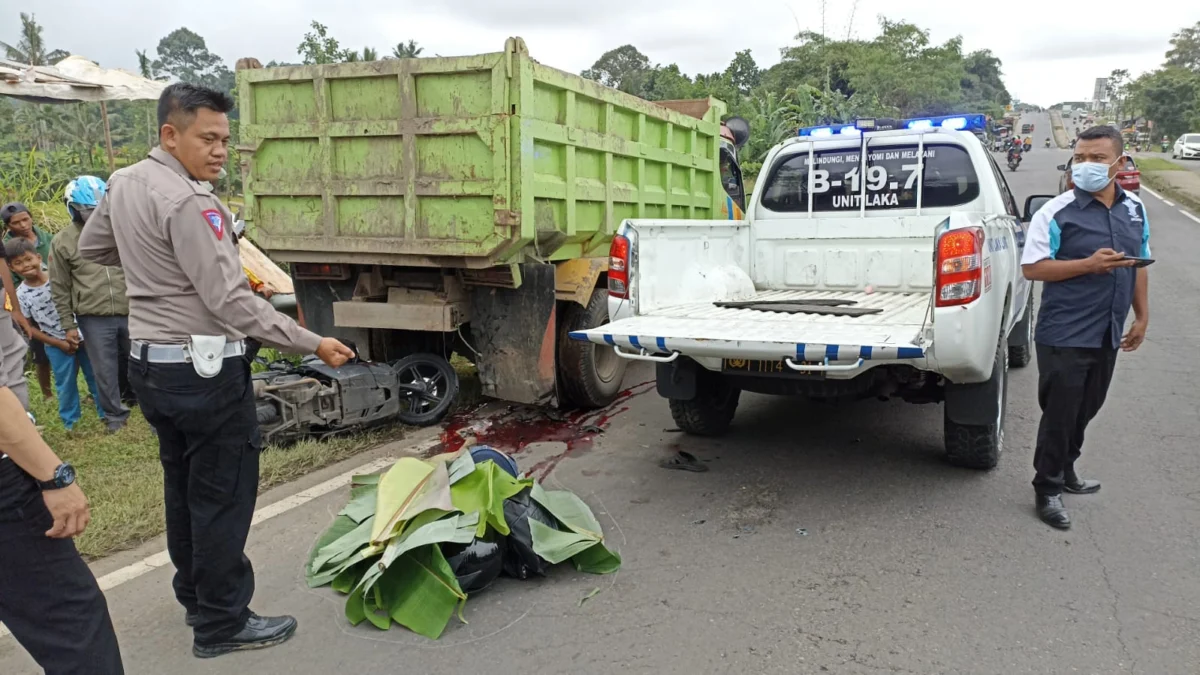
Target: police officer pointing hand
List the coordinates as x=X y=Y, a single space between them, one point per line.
x=190 y=313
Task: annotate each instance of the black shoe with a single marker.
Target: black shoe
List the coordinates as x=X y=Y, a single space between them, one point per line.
x=258 y=633
x=1079 y=486
x=191 y=618
x=1052 y=512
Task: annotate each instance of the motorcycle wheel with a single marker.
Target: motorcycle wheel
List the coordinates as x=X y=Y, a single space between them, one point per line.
x=428 y=386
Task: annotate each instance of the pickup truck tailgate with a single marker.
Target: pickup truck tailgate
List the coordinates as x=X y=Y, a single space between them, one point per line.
x=706 y=329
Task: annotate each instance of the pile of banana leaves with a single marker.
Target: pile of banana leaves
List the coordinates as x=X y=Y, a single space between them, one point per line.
x=384 y=549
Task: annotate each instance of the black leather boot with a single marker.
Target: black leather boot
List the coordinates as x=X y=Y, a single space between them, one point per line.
x=1052 y=512
x=258 y=633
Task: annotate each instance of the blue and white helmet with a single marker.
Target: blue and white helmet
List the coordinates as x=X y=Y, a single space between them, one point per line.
x=84 y=192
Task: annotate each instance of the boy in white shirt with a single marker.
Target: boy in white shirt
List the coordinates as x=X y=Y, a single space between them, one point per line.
x=66 y=360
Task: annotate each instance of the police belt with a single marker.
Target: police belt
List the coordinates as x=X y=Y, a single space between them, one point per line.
x=176 y=353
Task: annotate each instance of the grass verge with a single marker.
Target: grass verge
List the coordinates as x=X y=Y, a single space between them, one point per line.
x=1166 y=189
x=122 y=477
x=1157 y=164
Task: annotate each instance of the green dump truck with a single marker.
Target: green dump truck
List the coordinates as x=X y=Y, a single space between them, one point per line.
x=467 y=204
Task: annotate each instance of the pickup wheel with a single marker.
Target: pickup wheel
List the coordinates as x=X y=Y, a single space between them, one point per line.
x=979 y=446
x=1020 y=343
x=711 y=411
x=589 y=376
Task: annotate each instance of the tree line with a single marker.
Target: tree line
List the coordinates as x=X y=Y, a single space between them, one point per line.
x=818 y=79
x=1170 y=95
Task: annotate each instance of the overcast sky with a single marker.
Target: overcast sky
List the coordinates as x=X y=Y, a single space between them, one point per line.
x=1052 y=51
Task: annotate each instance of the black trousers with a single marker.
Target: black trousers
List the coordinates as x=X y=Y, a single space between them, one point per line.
x=209 y=444
x=1072 y=385
x=49 y=598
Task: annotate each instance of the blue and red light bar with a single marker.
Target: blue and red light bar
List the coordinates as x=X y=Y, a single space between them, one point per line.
x=974 y=122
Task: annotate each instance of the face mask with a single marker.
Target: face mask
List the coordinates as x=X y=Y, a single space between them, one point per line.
x=1091 y=176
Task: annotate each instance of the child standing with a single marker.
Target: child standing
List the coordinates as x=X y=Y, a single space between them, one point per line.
x=66 y=360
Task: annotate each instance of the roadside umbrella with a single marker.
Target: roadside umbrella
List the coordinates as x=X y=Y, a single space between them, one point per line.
x=75 y=79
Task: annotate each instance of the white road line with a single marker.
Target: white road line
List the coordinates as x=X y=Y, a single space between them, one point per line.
x=1146 y=189
x=1167 y=202
x=161 y=559
x=1188 y=215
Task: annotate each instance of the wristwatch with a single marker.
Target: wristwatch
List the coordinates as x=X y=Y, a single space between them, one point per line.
x=64 y=475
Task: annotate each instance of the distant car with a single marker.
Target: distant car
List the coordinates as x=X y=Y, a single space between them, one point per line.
x=1187 y=147
x=1129 y=177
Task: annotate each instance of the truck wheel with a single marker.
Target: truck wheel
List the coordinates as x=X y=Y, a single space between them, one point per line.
x=979 y=446
x=1020 y=343
x=712 y=409
x=589 y=375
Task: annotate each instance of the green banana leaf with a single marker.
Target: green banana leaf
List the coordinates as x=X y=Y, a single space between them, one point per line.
x=340 y=527
x=556 y=546
x=597 y=560
x=419 y=591
x=484 y=491
x=458 y=529
x=343 y=548
x=399 y=488
x=362 y=502
x=461 y=466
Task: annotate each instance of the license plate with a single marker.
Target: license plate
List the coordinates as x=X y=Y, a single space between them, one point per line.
x=754 y=367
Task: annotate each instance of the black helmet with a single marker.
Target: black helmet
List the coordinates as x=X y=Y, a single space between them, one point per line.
x=477 y=564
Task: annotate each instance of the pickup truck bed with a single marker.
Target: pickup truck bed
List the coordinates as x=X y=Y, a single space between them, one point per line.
x=705 y=329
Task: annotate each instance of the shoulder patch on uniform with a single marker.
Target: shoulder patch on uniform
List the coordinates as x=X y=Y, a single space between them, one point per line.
x=216 y=221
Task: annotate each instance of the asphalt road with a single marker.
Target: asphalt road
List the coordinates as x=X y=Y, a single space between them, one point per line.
x=821 y=539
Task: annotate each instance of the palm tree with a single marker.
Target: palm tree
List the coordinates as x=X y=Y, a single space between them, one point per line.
x=82 y=128
x=31 y=49
x=407 y=50
x=369 y=54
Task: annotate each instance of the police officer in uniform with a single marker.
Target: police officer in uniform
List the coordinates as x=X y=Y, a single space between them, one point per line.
x=1079 y=246
x=49 y=598
x=191 y=312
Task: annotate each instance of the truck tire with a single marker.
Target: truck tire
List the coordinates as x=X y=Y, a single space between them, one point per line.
x=1020 y=343
x=979 y=446
x=589 y=375
x=711 y=411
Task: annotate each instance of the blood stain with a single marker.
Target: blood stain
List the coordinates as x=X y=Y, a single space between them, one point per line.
x=516 y=426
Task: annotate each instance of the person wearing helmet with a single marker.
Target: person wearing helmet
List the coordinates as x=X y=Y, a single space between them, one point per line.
x=90 y=298
x=195 y=327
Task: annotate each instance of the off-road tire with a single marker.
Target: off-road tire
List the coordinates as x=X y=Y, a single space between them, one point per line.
x=1020 y=355
x=587 y=378
x=979 y=446
x=711 y=411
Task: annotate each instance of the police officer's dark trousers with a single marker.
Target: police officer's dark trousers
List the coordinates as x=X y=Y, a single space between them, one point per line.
x=1072 y=385
x=209 y=445
x=49 y=598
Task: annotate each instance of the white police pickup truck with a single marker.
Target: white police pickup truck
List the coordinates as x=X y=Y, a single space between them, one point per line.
x=877 y=259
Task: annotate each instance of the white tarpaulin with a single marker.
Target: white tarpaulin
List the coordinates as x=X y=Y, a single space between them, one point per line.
x=74 y=79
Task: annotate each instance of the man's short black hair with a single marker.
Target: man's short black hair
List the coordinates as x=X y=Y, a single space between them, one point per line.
x=180 y=101
x=11 y=209
x=18 y=246
x=1106 y=131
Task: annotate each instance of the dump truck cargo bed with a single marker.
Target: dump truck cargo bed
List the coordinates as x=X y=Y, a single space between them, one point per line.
x=463 y=162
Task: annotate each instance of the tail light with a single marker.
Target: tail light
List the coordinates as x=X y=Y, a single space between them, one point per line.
x=618 y=267
x=320 y=271
x=959 y=267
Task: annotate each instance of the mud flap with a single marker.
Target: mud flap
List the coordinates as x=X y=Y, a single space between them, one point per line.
x=514 y=331
x=677 y=380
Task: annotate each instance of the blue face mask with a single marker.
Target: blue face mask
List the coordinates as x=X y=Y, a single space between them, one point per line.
x=1091 y=176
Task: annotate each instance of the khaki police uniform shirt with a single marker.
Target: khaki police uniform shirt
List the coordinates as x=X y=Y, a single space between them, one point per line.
x=182 y=271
